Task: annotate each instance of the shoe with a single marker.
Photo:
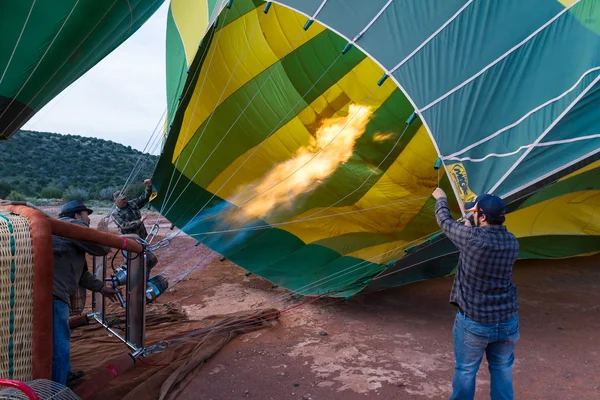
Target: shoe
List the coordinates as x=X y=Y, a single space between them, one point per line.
x=73 y=376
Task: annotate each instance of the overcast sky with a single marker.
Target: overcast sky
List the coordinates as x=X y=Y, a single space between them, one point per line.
x=121 y=98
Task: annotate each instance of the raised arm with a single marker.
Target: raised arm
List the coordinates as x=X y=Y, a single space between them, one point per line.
x=145 y=198
x=457 y=232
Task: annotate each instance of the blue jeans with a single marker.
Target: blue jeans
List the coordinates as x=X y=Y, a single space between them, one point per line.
x=61 y=342
x=471 y=341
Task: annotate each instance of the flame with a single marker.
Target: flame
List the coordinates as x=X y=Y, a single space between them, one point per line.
x=380 y=137
x=332 y=145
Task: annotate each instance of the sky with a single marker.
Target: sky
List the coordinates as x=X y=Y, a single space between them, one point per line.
x=122 y=98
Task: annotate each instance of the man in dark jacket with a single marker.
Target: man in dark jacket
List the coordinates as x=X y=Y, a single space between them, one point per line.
x=487 y=321
x=128 y=216
x=70 y=271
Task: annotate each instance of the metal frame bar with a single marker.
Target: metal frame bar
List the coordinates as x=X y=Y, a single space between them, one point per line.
x=135 y=306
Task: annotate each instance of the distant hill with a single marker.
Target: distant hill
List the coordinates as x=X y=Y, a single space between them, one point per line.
x=49 y=165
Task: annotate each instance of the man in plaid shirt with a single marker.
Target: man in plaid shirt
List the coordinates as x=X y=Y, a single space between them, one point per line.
x=487 y=320
x=128 y=216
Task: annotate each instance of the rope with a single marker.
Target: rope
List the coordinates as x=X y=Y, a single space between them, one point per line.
x=221 y=326
x=139 y=163
x=224 y=325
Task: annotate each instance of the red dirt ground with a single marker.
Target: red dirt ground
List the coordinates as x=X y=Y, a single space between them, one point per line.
x=395 y=344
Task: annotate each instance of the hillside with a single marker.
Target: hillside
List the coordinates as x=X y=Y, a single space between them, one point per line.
x=49 y=165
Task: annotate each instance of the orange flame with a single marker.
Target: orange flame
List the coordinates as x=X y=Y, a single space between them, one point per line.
x=332 y=145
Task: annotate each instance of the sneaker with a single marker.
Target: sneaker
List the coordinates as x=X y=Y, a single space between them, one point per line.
x=73 y=376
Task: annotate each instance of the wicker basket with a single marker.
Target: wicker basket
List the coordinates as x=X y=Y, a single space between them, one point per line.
x=26 y=280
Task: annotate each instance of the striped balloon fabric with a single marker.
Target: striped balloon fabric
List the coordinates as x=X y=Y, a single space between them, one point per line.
x=304 y=137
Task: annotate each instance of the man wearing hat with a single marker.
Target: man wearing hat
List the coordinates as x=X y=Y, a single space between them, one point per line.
x=128 y=216
x=487 y=320
x=70 y=271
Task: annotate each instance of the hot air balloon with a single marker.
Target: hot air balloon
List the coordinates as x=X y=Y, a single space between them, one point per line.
x=47 y=45
x=306 y=136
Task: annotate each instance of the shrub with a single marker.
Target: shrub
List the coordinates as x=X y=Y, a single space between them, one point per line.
x=15 y=196
x=51 y=192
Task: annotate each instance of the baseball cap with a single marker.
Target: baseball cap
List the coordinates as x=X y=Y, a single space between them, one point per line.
x=487 y=204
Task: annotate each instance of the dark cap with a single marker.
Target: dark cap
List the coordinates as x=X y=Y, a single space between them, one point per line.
x=487 y=204
x=73 y=207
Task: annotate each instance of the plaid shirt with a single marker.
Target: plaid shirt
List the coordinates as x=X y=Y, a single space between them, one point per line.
x=483 y=286
x=128 y=218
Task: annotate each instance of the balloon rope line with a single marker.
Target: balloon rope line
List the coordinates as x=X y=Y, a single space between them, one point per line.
x=152 y=140
x=156 y=142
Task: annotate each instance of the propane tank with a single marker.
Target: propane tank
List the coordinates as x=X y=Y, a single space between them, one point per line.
x=155 y=287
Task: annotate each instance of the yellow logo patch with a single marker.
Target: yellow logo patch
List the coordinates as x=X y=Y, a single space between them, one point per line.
x=458 y=173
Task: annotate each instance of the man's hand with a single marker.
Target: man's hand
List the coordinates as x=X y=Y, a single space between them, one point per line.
x=103 y=225
x=143 y=219
x=148 y=182
x=465 y=221
x=438 y=194
x=110 y=293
